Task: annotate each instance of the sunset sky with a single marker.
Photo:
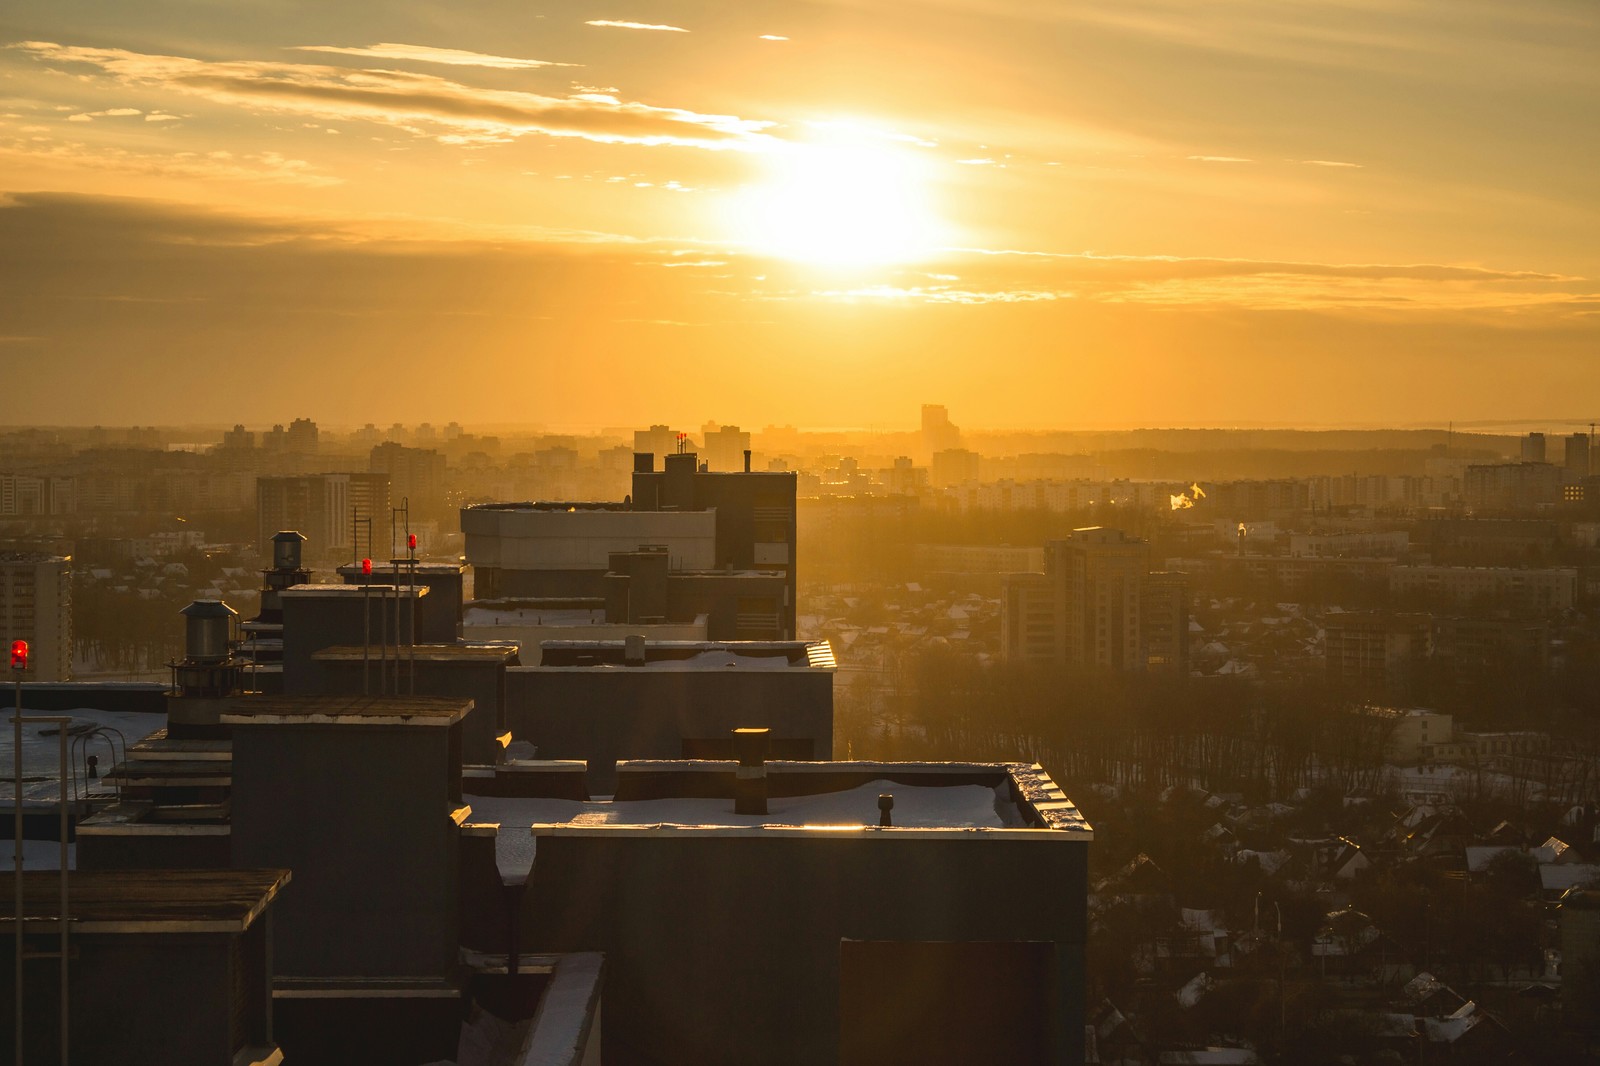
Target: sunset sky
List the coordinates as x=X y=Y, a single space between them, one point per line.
x=1129 y=212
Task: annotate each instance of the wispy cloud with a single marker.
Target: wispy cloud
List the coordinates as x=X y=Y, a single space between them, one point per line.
x=618 y=24
x=421 y=53
x=405 y=99
x=1329 y=163
x=226 y=166
x=114 y=112
x=1219 y=159
x=771 y=37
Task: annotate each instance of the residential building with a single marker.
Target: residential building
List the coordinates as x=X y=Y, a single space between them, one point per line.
x=1374 y=651
x=1512 y=486
x=1089 y=607
x=36 y=606
x=340 y=514
x=1518 y=588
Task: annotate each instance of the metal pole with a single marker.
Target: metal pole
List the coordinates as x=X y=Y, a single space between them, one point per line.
x=16 y=849
x=62 y=735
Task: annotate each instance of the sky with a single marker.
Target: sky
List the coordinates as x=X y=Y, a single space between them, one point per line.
x=1068 y=214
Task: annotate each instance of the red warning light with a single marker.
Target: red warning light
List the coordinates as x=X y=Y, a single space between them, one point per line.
x=366 y=566
x=411 y=541
x=19 y=655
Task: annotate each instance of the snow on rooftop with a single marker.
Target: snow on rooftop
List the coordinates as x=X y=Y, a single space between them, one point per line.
x=915 y=807
x=41 y=754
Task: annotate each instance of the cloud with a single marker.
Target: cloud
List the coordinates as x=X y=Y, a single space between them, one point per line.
x=404 y=99
x=421 y=53
x=227 y=166
x=114 y=112
x=1219 y=159
x=620 y=25
x=1329 y=163
x=771 y=37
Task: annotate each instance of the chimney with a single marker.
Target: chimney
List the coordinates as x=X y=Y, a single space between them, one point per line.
x=747 y=460
x=206 y=631
x=750 y=781
x=286 y=549
x=885 y=805
x=633 y=650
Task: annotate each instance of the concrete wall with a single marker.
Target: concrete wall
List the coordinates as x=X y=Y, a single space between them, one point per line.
x=605 y=714
x=482 y=681
x=727 y=949
x=324 y=619
x=360 y=813
x=439 y=613
x=521 y=539
x=140 y=999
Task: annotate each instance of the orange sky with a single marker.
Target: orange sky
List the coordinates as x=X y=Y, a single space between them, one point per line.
x=1143 y=212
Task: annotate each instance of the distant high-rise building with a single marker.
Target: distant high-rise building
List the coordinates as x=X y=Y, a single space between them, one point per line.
x=1096 y=604
x=416 y=475
x=724 y=447
x=1533 y=448
x=1576 y=459
x=275 y=439
x=660 y=440
x=302 y=437
x=954 y=466
x=36 y=606
x=1511 y=486
x=331 y=510
x=238 y=439
x=938 y=432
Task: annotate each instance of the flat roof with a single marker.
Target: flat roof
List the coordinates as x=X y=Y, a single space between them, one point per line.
x=688 y=655
x=955 y=801
x=406 y=566
x=431 y=653
x=313 y=589
x=347 y=710
x=143 y=901
x=41 y=754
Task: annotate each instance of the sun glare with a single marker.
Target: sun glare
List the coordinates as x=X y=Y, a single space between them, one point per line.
x=847 y=198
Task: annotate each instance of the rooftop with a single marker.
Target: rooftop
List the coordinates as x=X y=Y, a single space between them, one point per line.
x=689 y=655
x=353 y=591
x=144 y=901
x=428 y=653
x=969 y=801
x=347 y=710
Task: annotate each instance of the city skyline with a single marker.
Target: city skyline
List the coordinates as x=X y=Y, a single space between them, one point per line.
x=1098 y=215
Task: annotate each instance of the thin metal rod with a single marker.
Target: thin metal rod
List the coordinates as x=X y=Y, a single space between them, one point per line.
x=16 y=848
x=62 y=735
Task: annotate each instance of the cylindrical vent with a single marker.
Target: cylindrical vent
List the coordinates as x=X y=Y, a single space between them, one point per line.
x=885 y=805
x=286 y=550
x=750 y=780
x=208 y=624
x=747 y=460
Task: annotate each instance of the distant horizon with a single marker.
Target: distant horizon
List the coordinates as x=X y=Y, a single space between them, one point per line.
x=1484 y=427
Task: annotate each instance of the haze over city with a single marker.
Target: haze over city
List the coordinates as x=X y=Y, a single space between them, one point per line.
x=858 y=532
x=1100 y=214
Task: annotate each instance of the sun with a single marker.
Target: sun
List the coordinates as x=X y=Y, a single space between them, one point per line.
x=849 y=196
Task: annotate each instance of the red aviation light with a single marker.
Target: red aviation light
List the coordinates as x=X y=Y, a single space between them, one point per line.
x=411 y=541
x=366 y=567
x=19 y=655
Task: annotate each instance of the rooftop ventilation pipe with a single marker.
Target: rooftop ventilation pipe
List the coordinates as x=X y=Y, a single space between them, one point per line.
x=633 y=652
x=750 y=781
x=885 y=805
x=286 y=544
x=747 y=460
